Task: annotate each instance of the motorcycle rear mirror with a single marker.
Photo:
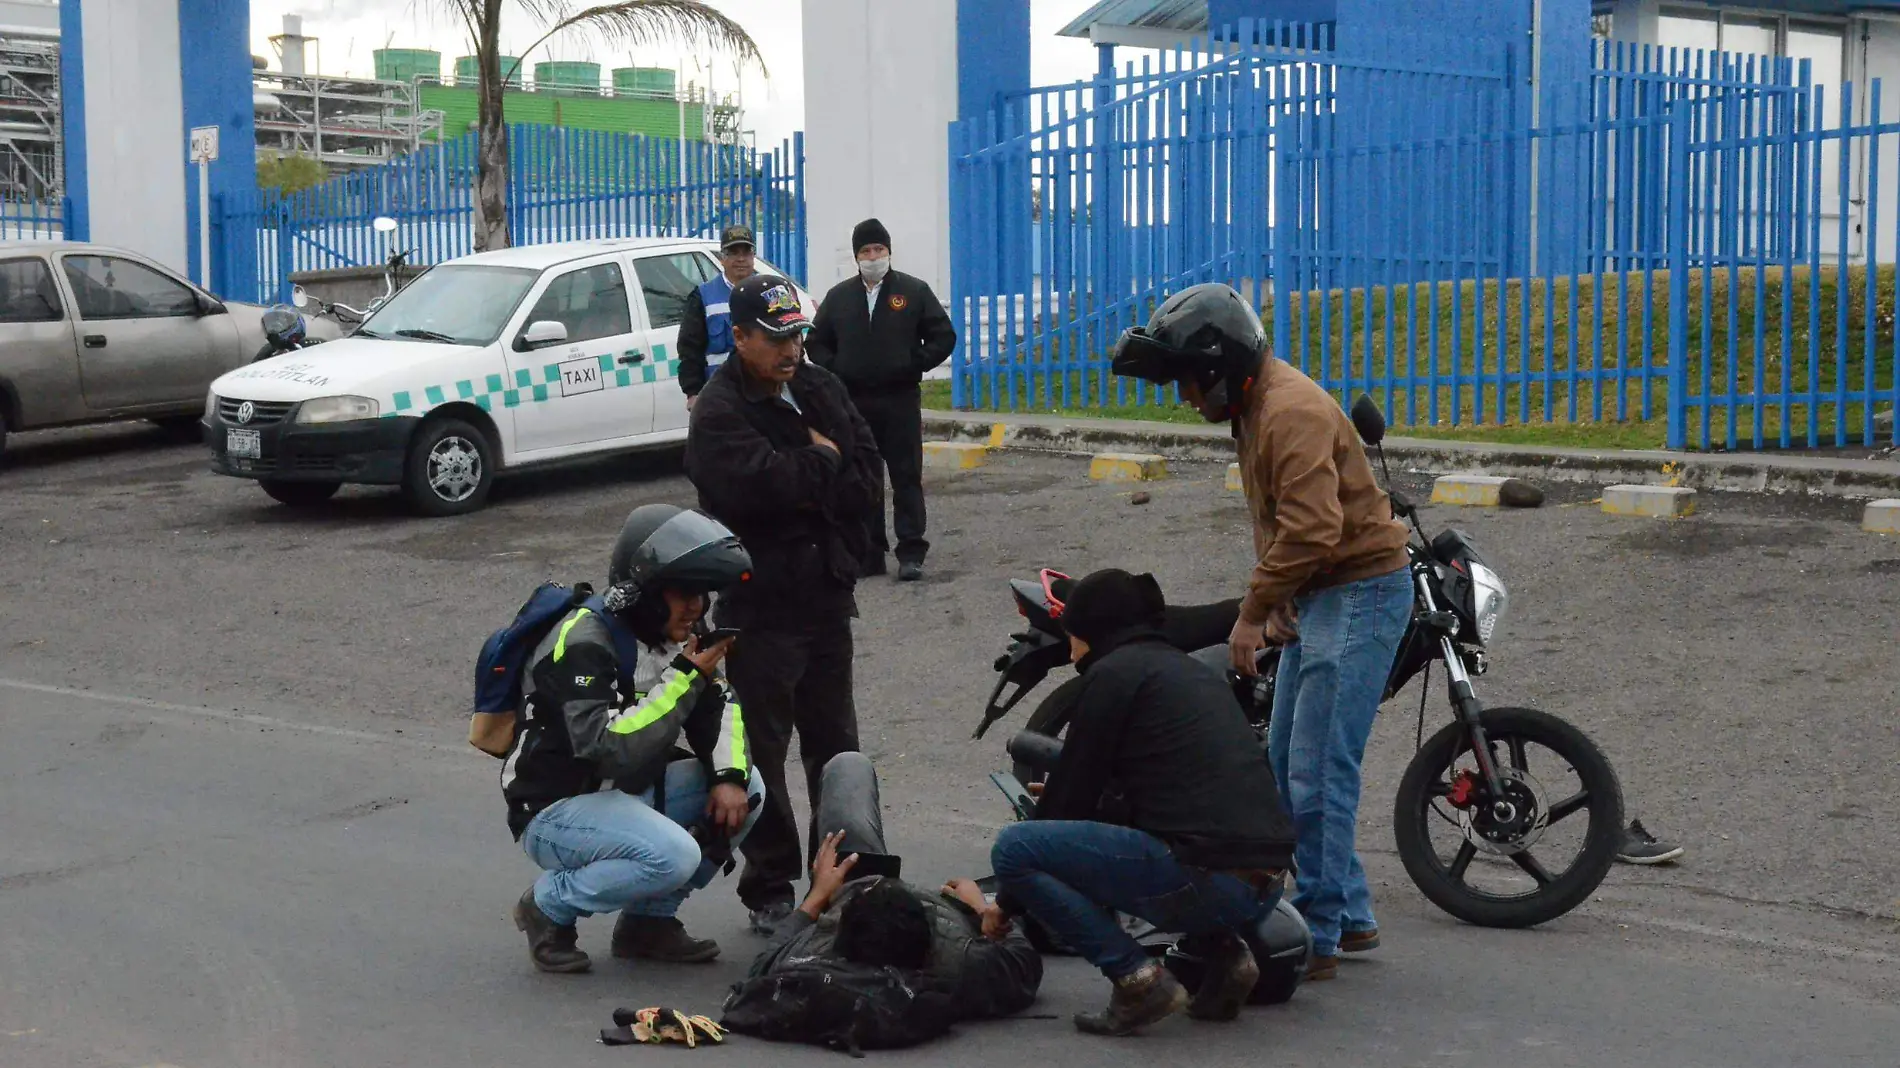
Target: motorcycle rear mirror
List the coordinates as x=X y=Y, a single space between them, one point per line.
x=383 y=224
x=298 y=297
x=1368 y=420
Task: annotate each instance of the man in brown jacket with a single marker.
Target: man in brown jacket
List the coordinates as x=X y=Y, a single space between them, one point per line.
x=1330 y=583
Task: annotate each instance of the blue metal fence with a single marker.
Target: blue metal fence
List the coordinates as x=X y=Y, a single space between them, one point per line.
x=563 y=185
x=1690 y=240
x=33 y=220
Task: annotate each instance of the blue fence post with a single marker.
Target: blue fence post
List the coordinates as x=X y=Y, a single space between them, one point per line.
x=1284 y=221
x=1678 y=195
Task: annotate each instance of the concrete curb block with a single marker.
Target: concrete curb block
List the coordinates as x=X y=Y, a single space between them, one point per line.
x=1744 y=472
x=955 y=455
x=1471 y=491
x=1656 y=502
x=1128 y=467
x=1881 y=517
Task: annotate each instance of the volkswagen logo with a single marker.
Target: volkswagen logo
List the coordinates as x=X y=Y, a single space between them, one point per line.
x=246 y=412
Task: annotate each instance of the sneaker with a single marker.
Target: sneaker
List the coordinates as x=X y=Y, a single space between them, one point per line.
x=1359 y=941
x=660 y=938
x=1641 y=847
x=765 y=920
x=1231 y=975
x=910 y=571
x=551 y=946
x=1140 y=1000
x=1319 y=969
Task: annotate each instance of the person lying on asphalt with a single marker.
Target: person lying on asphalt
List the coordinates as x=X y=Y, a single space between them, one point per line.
x=613 y=690
x=1162 y=807
x=883 y=921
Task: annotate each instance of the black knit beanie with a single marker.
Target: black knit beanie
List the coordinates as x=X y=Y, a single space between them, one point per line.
x=869 y=232
x=1109 y=602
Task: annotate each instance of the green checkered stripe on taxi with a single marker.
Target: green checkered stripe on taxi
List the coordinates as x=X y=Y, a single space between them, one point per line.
x=529 y=387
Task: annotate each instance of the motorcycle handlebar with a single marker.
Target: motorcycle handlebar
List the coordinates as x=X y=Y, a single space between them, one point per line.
x=1036 y=750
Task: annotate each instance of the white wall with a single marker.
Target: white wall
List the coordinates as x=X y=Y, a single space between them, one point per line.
x=135 y=139
x=33 y=18
x=880 y=92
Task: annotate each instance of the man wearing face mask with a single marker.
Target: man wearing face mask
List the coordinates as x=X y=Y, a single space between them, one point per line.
x=880 y=332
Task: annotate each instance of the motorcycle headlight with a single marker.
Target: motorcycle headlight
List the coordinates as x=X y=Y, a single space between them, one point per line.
x=1488 y=599
x=338 y=409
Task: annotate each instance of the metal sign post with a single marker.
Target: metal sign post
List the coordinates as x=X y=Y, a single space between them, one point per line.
x=204 y=152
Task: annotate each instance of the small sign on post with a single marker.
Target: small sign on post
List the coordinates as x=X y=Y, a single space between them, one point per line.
x=204 y=152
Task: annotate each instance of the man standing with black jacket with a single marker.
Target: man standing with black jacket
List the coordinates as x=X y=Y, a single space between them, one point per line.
x=780 y=456
x=880 y=332
x=1163 y=807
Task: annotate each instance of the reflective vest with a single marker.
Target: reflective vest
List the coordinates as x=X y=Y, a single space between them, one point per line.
x=717 y=295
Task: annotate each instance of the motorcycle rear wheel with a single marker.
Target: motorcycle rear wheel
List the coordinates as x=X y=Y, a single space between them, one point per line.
x=1426 y=784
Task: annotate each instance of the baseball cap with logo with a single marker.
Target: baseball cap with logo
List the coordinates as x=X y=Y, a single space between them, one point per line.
x=770 y=303
x=733 y=236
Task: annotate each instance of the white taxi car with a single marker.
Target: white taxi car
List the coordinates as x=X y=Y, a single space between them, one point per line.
x=482 y=365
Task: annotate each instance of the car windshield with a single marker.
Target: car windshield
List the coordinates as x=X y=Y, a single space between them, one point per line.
x=451 y=304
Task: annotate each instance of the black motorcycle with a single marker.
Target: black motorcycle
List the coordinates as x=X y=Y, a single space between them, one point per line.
x=1475 y=780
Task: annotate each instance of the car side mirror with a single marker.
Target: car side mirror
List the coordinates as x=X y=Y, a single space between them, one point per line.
x=1368 y=420
x=298 y=297
x=540 y=335
x=383 y=224
x=210 y=305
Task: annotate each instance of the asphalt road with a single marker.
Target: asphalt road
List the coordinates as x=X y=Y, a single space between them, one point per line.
x=244 y=830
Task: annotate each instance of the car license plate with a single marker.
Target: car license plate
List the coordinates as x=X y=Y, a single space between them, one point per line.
x=243 y=443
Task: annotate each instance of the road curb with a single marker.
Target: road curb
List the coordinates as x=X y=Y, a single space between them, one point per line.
x=1742 y=472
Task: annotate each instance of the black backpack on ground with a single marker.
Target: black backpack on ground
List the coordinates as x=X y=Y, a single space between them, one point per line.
x=826 y=1001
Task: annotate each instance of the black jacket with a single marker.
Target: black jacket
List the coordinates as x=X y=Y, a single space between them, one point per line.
x=1158 y=743
x=691 y=343
x=909 y=335
x=984 y=979
x=800 y=508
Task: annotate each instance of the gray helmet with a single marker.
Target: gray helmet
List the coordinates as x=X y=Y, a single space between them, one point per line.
x=665 y=545
x=1281 y=942
x=1205 y=334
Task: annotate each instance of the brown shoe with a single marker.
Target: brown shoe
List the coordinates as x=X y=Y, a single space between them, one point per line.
x=1359 y=941
x=1231 y=975
x=1140 y=1000
x=551 y=946
x=1319 y=969
x=660 y=938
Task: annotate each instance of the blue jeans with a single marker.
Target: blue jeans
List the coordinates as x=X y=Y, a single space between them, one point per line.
x=1329 y=686
x=1070 y=874
x=612 y=852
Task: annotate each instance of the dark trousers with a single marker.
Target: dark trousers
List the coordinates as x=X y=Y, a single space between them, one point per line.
x=897 y=423
x=848 y=801
x=786 y=680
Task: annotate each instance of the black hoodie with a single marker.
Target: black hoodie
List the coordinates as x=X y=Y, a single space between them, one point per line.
x=1159 y=743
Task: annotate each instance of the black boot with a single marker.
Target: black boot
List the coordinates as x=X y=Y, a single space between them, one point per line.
x=1140 y=1000
x=1231 y=975
x=660 y=938
x=550 y=945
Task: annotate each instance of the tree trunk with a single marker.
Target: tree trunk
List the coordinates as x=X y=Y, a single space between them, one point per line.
x=491 y=152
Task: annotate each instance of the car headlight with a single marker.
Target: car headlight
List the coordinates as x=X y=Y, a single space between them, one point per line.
x=1488 y=600
x=337 y=409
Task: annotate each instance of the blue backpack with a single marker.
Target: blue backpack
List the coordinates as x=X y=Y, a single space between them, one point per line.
x=504 y=658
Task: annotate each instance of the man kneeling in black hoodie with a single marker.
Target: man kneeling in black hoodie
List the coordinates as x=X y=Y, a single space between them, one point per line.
x=1163 y=807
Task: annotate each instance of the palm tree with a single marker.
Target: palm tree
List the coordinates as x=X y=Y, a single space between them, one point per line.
x=629 y=22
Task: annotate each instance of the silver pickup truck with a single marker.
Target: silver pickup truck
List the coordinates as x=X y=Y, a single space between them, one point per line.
x=90 y=334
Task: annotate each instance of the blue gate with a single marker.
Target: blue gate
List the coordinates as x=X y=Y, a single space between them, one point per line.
x=563 y=185
x=1688 y=240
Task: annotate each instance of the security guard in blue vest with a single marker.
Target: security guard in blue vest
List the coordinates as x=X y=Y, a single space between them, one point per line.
x=705 y=338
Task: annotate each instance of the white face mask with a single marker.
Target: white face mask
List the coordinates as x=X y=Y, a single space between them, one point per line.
x=874 y=270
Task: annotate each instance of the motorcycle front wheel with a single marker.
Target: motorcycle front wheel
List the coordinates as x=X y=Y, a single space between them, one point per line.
x=1495 y=866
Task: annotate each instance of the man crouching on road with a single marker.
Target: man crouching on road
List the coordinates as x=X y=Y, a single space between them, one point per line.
x=1162 y=807
x=612 y=690
x=877 y=920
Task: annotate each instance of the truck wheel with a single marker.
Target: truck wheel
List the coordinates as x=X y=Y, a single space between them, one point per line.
x=450 y=469
x=300 y=494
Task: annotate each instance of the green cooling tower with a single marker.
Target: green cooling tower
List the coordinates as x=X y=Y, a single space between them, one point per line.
x=567 y=76
x=408 y=64
x=468 y=70
x=654 y=81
